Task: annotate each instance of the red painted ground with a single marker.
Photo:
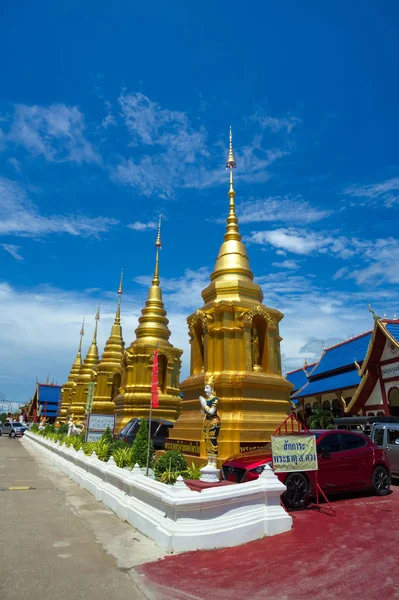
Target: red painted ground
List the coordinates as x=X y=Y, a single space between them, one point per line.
x=354 y=555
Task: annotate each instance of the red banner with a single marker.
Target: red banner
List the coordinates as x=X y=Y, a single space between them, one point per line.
x=154 y=381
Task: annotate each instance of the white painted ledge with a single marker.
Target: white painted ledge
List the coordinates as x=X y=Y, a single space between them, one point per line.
x=175 y=517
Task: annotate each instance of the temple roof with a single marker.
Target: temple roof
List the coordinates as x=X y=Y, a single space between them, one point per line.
x=334 y=382
x=393 y=329
x=342 y=354
x=298 y=377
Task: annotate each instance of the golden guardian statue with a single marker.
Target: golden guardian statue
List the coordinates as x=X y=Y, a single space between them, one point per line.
x=209 y=407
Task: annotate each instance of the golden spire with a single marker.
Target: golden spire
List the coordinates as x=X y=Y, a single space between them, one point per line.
x=77 y=363
x=153 y=323
x=91 y=359
x=115 y=345
x=118 y=310
x=232 y=277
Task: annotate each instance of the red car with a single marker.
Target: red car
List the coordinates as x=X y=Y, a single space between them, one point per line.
x=347 y=461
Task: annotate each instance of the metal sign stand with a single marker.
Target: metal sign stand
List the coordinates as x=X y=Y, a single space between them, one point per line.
x=292 y=425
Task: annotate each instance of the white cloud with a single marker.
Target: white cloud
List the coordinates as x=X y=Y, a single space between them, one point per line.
x=385 y=193
x=169 y=152
x=285 y=209
x=274 y=124
x=56 y=132
x=286 y=264
x=140 y=226
x=20 y=216
x=13 y=250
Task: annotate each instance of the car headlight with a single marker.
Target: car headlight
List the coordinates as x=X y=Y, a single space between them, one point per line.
x=258 y=470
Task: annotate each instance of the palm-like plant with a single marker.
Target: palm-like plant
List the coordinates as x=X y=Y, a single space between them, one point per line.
x=320 y=418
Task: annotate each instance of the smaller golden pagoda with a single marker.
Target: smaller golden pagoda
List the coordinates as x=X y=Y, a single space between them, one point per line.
x=67 y=388
x=153 y=332
x=81 y=387
x=107 y=378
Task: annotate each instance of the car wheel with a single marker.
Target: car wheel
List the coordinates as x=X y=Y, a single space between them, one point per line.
x=13 y=434
x=381 y=482
x=297 y=492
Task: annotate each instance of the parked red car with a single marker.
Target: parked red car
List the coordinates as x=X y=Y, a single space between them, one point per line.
x=347 y=461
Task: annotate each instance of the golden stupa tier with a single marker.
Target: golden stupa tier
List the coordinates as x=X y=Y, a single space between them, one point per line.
x=153 y=332
x=107 y=377
x=67 y=388
x=81 y=385
x=235 y=338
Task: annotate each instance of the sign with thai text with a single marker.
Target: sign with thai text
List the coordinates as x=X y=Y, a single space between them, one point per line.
x=294 y=453
x=97 y=425
x=391 y=370
x=248 y=446
x=186 y=446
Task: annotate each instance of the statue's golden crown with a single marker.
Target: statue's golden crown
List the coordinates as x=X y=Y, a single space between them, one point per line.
x=209 y=380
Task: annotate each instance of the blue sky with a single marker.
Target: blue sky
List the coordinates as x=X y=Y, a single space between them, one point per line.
x=111 y=114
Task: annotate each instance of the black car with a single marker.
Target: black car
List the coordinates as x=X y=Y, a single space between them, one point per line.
x=159 y=432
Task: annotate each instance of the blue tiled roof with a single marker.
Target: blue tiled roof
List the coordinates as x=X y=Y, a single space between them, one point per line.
x=393 y=329
x=49 y=393
x=343 y=354
x=334 y=382
x=298 y=378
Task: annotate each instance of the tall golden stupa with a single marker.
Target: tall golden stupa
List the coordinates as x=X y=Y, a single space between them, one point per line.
x=235 y=338
x=153 y=332
x=67 y=388
x=81 y=386
x=107 y=377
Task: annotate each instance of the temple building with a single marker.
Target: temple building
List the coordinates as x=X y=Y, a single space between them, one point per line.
x=153 y=332
x=107 y=377
x=79 y=395
x=67 y=388
x=359 y=376
x=234 y=338
x=46 y=402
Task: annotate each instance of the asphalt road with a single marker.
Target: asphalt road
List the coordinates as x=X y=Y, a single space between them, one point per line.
x=57 y=541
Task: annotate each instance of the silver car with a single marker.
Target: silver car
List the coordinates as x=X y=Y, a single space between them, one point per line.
x=12 y=429
x=386 y=435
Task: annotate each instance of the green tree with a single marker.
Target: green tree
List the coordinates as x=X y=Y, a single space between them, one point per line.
x=172 y=460
x=107 y=436
x=140 y=446
x=321 y=419
x=3 y=417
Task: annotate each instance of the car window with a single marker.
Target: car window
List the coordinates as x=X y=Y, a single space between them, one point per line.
x=330 y=443
x=161 y=430
x=393 y=435
x=350 y=442
x=379 y=436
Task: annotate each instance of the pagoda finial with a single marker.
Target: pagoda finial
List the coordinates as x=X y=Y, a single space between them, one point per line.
x=82 y=332
x=118 y=309
x=232 y=232
x=158 y=246
x=120 y=288
x=96 y=326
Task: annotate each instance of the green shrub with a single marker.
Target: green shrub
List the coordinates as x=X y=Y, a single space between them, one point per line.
x=169 y=476
x=76 y=442
x=123 y=457
x=103 y=449
x=68 y=441
x=89 y=447
x=140 y=446
x=192 y=472
x=63 y=428
x=107 y=436
x=34 y=428
x=171 y=460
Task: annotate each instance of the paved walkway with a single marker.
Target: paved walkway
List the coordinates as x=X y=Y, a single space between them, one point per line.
x=57 y=541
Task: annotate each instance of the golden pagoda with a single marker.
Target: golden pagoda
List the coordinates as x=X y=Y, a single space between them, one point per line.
x=234 y=338
x=152 y=332
x=81 y=386
x=107 y=378
x=67 y=388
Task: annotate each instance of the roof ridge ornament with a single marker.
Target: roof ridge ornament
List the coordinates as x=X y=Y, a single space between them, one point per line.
x=375 y=317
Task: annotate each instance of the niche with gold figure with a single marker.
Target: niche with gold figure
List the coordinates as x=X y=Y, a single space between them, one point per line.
x=116 y=384
x=259 y=344
x=198 y=348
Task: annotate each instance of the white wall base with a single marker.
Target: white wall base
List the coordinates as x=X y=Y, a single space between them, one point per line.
x=175 y=517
